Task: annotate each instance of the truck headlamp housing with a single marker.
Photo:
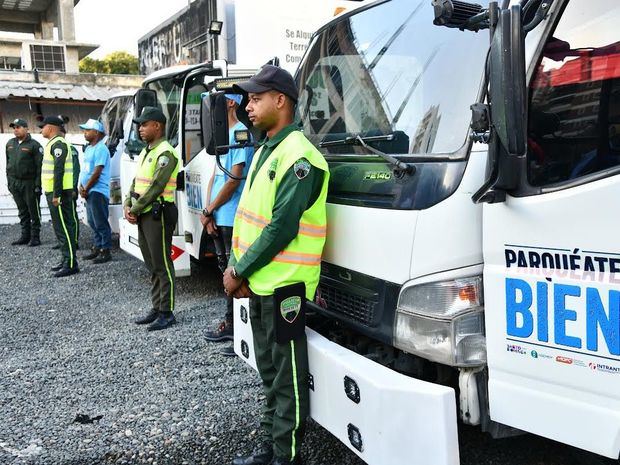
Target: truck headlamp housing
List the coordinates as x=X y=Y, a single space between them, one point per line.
x=443 y=321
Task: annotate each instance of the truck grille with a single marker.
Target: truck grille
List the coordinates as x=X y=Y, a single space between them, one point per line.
x=353 y=306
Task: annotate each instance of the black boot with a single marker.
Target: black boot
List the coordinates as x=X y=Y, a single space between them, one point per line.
x=23 y=240
x=66 y=272
x=104 y=256
x=34 y=241
x=94 y=253
x=148 y=318
x=228 y=351
x=262 y=455
x=164 y=320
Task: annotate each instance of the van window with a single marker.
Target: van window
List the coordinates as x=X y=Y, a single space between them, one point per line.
x=574 y=112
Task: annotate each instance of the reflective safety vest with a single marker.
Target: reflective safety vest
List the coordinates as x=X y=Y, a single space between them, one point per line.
x=300 y=261
x=47 y=170
x=147 y=165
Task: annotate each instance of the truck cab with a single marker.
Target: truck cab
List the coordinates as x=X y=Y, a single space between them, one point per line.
x=469 y=265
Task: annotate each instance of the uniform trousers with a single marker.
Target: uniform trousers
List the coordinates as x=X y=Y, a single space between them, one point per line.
x=155 y=240
x=283 y=369
x=64 y=221
x=28 y=207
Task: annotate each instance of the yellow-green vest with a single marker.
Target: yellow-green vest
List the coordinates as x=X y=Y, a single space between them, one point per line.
x=47 y=170
x=147 y=165
x=300 y=261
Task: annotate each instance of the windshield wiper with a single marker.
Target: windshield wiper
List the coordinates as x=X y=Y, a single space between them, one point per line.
x=359 y=140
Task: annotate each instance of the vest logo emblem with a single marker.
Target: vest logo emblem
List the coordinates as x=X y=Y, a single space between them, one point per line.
x=57 y=152
x=290 y=308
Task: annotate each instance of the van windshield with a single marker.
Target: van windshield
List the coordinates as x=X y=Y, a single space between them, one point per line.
x=389 y=71
x=168 y=92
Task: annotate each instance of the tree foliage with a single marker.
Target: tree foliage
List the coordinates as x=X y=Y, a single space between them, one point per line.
x=113 y=63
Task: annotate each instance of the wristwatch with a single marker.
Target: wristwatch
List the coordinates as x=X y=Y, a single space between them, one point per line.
x=233 y=273
x=207 y=213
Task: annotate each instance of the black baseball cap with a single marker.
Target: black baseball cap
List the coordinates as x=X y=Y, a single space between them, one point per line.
x=53 y=120
x=151 y=114
x=269 y=78
x=18 y=122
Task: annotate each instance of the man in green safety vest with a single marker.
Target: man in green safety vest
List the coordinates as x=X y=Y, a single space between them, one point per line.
x=150 y=205
x=278 y=238
x=57 y=182
x=24 y=157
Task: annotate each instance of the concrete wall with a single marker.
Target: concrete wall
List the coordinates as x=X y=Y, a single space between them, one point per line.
x=8 y=210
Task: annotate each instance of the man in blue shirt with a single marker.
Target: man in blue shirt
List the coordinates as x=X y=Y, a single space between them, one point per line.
x=219 y=216
x=94 y=187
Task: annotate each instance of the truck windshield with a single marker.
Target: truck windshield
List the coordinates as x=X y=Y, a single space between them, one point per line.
x=389 y=71
x=168 y=96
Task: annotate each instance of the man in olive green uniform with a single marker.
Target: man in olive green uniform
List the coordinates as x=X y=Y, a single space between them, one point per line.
x=278 y=238
x=24 y=156
x=150 y=205
x=57 y=181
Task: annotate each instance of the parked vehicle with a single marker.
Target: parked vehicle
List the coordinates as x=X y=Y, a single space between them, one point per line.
x=503 y=311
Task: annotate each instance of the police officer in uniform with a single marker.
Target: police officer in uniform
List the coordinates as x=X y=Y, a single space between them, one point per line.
x=57 y=181
x=24 y=156
x=150 y=205
x=278 y=238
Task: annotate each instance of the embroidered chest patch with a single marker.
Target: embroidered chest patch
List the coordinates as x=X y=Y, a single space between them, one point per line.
x=272 y=170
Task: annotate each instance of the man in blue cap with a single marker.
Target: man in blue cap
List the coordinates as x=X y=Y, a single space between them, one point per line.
x=94 y=187
x=218 y=217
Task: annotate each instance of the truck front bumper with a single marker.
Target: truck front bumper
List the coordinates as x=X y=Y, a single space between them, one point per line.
x=386 y=418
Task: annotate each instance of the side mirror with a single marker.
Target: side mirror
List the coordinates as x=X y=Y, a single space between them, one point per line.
x=508 y=109
x=507 y=82
x=144 y=98
x=214 y=123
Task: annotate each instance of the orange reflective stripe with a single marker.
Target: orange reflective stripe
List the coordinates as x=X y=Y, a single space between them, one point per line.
x=312 y=230
x=297 y=258
x=306 y=229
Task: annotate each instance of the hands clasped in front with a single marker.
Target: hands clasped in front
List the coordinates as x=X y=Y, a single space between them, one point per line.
x=236 y=287
x=133 y=219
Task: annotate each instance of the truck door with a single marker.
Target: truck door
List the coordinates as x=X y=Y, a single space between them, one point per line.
x=552 y=249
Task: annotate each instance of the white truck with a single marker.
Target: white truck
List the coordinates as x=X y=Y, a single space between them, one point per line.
x=503 y=311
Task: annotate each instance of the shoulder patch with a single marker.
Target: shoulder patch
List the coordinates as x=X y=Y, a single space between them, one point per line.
x=57 y=152
x=163 y=161
x=40 y=149
x=301 y=168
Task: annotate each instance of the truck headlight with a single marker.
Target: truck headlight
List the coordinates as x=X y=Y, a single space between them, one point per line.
x=443 y=321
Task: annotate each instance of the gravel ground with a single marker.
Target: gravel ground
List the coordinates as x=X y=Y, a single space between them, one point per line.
x=68 y=347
